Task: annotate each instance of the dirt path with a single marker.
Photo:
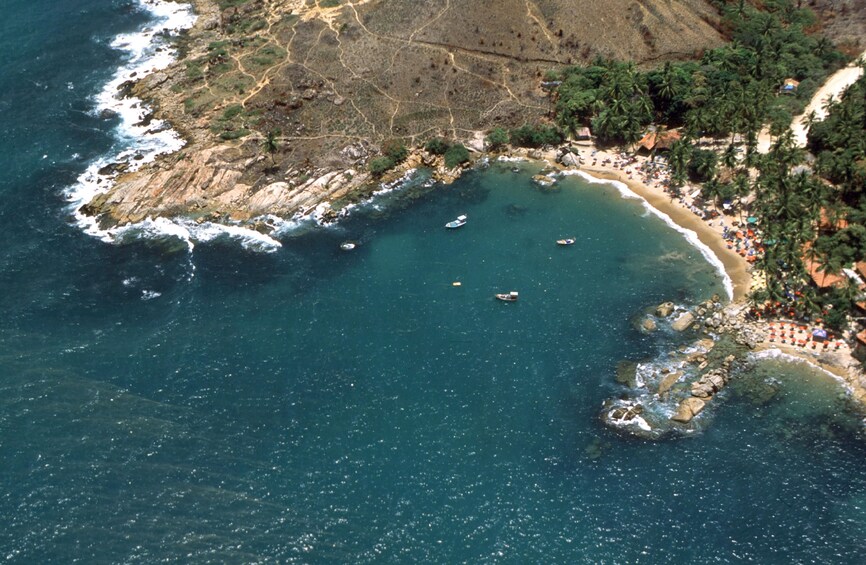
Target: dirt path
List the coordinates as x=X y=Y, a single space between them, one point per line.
x=831 y=89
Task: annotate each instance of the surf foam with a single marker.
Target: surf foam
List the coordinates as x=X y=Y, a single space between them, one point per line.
x=690 y=235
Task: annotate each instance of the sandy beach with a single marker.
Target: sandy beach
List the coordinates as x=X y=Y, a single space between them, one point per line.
x=833 y=356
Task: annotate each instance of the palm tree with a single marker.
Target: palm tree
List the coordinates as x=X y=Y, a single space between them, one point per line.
x=271 y=144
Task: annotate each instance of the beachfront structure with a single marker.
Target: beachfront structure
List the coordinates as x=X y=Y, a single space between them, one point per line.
x=659 y=140
x=583 y=134
x=789 y=86
x=828 y=224
x=821 y=278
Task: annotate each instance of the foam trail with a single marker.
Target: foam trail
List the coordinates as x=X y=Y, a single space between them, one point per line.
x=774 y=353
x=320 y=211
x=690 y=235
x=139 y=140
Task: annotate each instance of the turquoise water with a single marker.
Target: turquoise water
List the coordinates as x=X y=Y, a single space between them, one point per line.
x=313 y=405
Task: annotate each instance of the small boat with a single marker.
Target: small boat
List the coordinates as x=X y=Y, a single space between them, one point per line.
x=348 y=245
x=507 y=296
x=566 y=241
x=454 y=224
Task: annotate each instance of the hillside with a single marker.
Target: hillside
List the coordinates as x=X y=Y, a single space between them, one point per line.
x=327 y=81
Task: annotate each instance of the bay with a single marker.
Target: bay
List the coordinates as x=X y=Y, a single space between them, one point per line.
x=316 y=405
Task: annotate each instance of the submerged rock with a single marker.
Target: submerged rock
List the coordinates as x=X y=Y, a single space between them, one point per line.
x=665 y=309
x=626 y=373
x=649 y=325
x=668 y=381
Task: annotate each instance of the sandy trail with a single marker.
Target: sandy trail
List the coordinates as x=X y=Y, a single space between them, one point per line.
x=834 y=86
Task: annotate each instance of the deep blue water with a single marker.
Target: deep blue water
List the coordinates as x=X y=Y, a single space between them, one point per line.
x=312 y=405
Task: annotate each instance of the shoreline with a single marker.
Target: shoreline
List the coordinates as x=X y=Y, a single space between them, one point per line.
x=709 y=234
x=837 y=361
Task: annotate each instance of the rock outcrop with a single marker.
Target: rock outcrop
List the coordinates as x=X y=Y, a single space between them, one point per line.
x=688 y=409
x=683 y=322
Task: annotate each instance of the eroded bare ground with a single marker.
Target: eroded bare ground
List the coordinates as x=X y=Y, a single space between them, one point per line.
x=337 y=77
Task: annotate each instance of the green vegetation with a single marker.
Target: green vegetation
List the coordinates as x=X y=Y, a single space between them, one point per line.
x=271 y=143
x=379 y=165
x=804 y=218
x=536 y=135
x=497 y=138
x=456 y=155
x=394 y=152
x=329 y=3
x=437 y=146
x=731 y=89
x=234 y=134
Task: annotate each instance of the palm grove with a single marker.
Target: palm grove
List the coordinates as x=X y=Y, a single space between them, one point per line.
x=731 y=93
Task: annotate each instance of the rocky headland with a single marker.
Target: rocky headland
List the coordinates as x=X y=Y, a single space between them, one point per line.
x=282 y=103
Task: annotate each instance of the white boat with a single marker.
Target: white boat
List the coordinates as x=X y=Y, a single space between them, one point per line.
x=348 y=245
x=507 y=296
x=454 y=224
x=566 y=241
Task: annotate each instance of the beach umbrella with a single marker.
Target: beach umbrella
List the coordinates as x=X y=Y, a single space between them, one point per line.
x=819 y=334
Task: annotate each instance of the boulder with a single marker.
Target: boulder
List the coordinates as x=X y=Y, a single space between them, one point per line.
x=717 y=381
x=569 y=159
x=665 y=309
x=688 y=409
x=476 y=145
x=649 y=325
x=626 y=373
x=702 y=390
x=696 y=357
x=667 y=382
x=684 y=322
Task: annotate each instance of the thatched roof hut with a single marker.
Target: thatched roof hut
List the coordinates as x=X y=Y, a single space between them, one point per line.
x=659 y=140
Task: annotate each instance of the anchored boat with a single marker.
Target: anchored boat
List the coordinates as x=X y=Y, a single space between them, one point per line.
x=454 y=224
x=566 y=241
x=507 y=296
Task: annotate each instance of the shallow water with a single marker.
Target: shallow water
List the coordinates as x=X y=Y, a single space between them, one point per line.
x=315 y=405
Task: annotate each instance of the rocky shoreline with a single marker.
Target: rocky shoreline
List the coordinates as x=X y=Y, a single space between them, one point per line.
x=238 y=184
x=665 y=394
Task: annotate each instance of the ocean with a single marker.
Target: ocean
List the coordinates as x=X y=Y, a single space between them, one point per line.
x=171 y=396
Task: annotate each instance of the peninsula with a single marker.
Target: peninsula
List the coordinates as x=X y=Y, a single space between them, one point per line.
x=283 y=103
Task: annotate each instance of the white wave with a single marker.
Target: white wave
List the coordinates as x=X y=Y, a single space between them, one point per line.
x=190 y=233
x=634 y=421
x=511 y=159
x=147 y=51
x=150 y=294
x=778 y=354
x=690 y=235
x=318 y=213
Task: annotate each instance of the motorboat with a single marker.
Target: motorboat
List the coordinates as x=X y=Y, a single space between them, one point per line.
x=507 y=296
x=566 y=241
x=454 y=224
x=348 y=245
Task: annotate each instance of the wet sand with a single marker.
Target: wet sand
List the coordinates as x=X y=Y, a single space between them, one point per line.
x=838 y=362
x=735 y=265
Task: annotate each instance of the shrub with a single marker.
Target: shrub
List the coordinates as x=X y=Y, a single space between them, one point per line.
x=379 y=165
x=395 y=150
x=456 y=155
x=437 y=146
x=497 y=138
x=536 y=135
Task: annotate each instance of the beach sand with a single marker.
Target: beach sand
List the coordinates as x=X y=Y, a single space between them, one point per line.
x=607 y=165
